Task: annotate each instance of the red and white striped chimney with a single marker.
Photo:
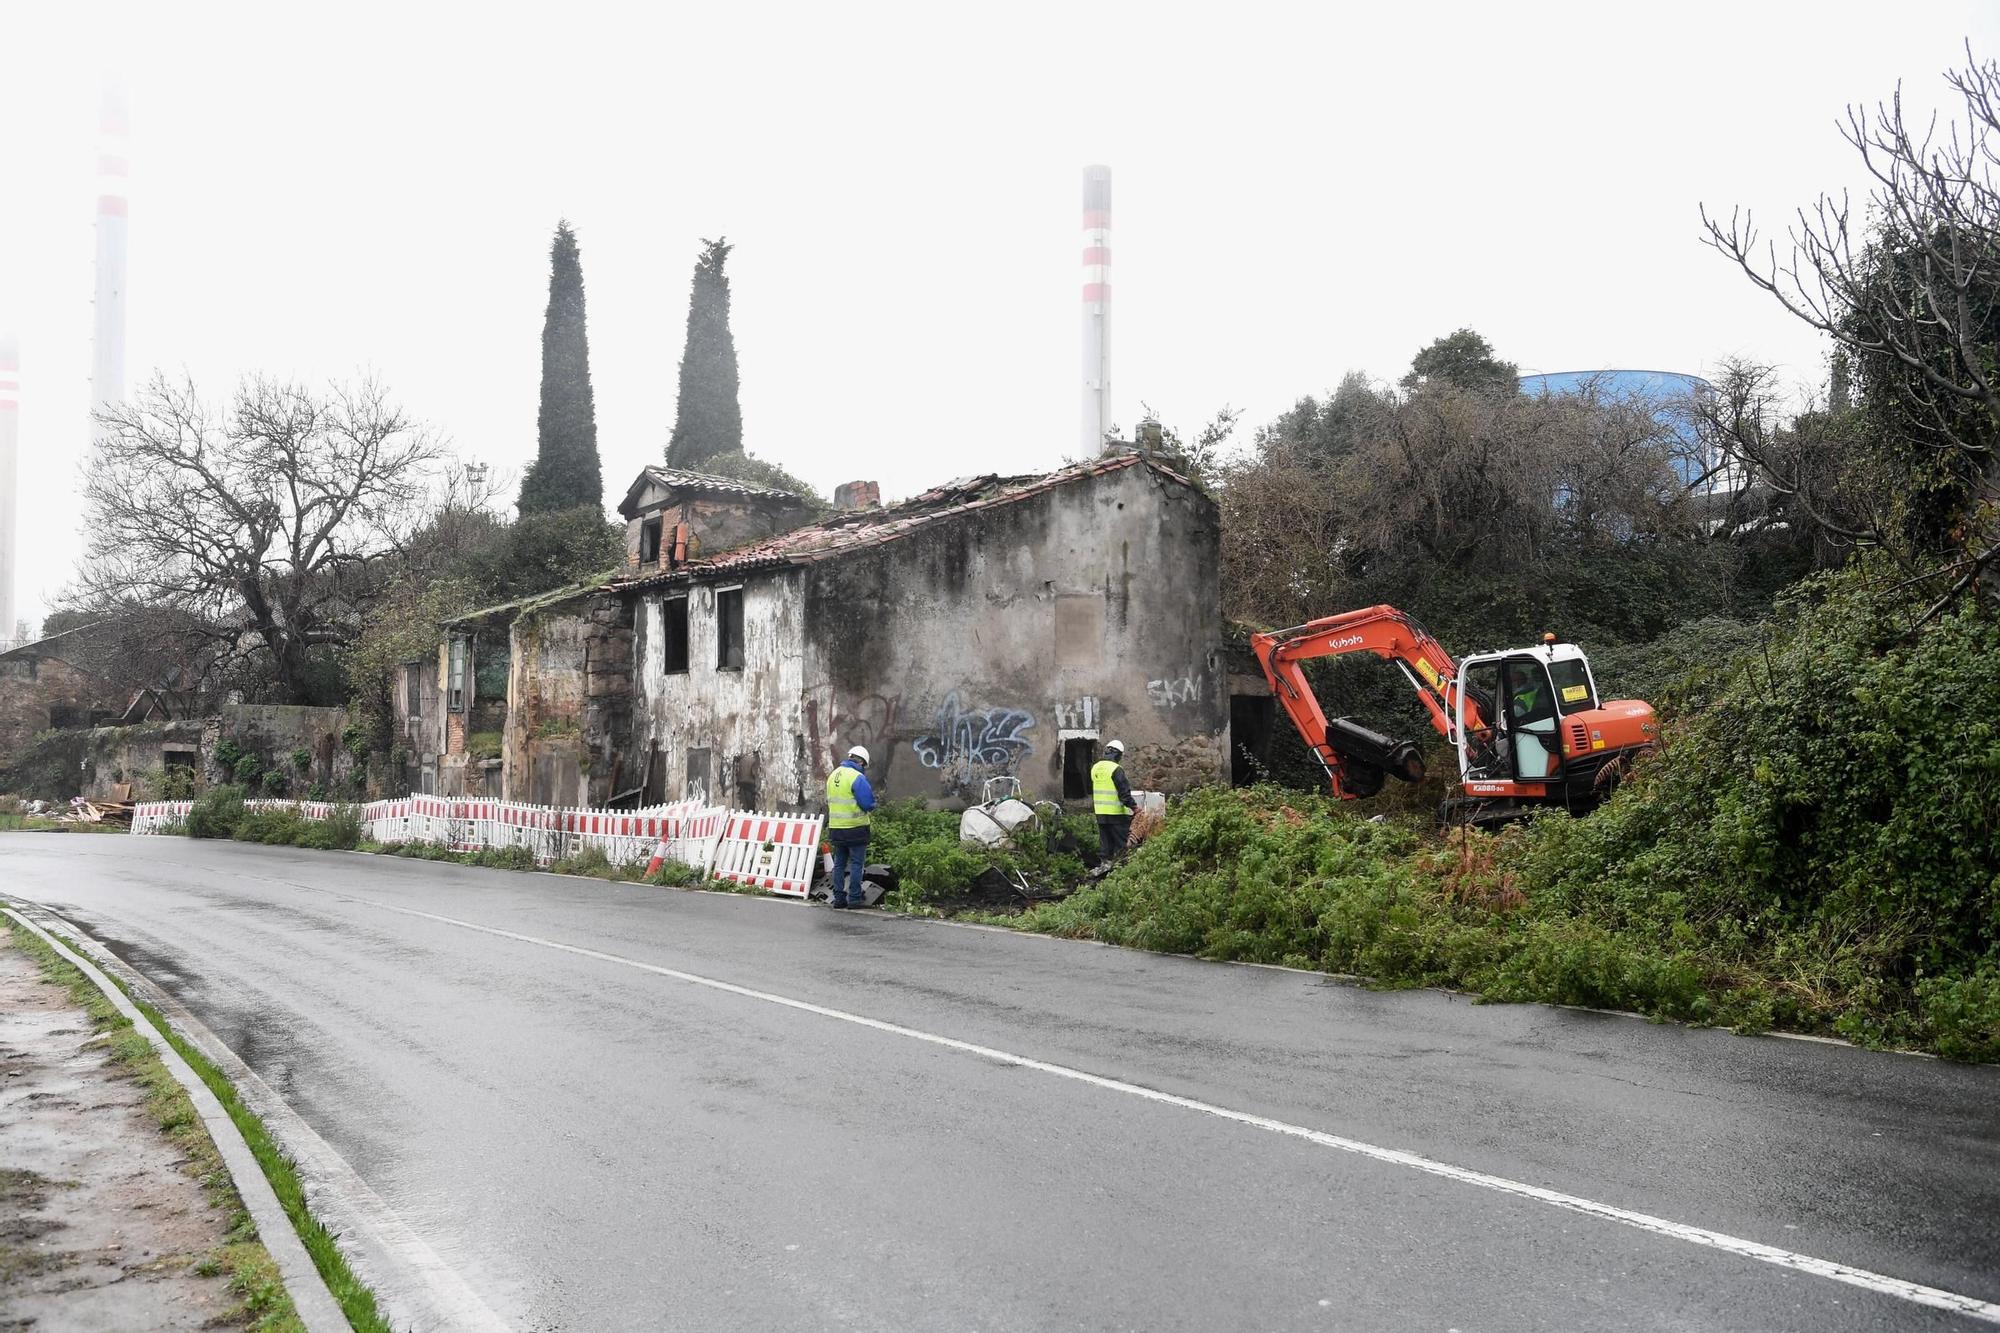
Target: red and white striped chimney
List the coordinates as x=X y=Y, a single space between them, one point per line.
x=1096 y=308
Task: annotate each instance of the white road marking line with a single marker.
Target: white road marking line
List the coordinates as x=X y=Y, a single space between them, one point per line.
x=1916 y=1293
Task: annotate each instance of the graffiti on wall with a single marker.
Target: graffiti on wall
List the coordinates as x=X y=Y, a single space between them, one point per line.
x=833 y=727
x=1076 y=714
x=1172 y=692
x=963 y=740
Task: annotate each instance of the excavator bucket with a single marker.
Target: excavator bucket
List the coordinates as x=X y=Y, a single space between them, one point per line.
x=1352 y=741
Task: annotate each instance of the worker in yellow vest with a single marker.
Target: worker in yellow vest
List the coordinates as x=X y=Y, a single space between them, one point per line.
x=1111 y=798
x=849 y=798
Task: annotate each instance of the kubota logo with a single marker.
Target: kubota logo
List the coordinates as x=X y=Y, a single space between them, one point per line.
x=1347 y=642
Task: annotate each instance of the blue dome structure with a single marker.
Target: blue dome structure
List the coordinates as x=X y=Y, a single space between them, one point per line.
x=1660 y=389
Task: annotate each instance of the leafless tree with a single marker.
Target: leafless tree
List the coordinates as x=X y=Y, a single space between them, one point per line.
x=261 y=527
x=1911 y=287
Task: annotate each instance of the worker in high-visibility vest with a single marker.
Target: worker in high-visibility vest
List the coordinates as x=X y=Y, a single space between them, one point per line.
x=849 y=798
x=1111 y=798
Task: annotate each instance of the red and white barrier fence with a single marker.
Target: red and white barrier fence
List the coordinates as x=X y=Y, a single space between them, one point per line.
x=770 y=851
x=773 y=851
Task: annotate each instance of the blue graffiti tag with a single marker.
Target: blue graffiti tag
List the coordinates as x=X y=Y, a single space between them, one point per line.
x=968 y=738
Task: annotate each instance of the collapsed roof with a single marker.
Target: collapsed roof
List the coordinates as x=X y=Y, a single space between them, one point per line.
x=857 y=529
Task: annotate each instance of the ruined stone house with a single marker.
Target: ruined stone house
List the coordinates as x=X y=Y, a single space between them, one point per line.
x=990 y=627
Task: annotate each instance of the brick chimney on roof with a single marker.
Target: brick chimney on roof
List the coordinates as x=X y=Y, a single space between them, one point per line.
x=857 y=495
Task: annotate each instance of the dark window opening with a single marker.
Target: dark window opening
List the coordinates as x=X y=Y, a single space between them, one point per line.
x=413 y=690
x=1078 y=754
x=171 y=760
x=68 y=717
x=674 y=620
x=655 y=782
x=1251 y=718
x=649 y=541
x=729 y=629
x=697 y=775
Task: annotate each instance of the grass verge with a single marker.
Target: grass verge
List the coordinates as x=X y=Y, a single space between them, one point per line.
x=253 y=1274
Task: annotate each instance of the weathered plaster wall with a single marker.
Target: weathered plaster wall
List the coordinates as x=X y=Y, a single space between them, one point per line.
x=975 y=648
x=735 y=737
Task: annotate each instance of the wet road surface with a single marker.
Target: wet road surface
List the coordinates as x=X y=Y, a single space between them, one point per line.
x=538 y=1077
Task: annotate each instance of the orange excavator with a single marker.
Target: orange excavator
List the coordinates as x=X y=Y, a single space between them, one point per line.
x=1527 y=725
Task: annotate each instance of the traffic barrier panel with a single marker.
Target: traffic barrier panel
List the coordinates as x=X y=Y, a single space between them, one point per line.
x=770 y=851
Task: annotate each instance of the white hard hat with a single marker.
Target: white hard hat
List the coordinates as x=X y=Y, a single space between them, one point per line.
x=859 y=752
x=1115 y=745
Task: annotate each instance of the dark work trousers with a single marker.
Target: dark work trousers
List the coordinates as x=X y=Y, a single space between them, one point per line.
x=850 y=859
x=1113 y=832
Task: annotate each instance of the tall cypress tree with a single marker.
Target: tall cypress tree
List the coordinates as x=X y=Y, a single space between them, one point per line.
x=566 y=473
x=709 y=420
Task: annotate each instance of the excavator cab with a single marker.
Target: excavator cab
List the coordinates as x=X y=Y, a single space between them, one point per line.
x=1510 y=711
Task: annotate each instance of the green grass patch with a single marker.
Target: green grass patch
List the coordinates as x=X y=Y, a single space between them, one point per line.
x=253 y=1275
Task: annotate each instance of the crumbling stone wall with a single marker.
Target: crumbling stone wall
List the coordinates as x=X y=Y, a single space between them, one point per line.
x=40 y=693
x=569 y=702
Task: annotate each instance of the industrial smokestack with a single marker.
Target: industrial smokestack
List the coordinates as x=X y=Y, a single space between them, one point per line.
x=1096 y=308
x=107 y=374
x=10 y=443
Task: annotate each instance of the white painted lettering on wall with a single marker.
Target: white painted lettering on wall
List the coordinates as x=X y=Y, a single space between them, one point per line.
x=1076 y=714
x=1171 y=693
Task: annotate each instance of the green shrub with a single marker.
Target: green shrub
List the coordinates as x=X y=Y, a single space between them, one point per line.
x=590 y=861
x=677 y=875
x=483 y=745
x=277 y=784
x=1962 y=1013
x=278 y=828
x=216 y=814
x=302 y=760
x=247 y=771
x=504 y=858
x=339 y=831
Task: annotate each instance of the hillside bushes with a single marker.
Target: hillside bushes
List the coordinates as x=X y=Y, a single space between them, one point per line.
x=1817 y=848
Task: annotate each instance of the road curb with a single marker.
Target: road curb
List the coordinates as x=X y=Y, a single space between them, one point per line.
x=317 y=1309
x=414 y=1288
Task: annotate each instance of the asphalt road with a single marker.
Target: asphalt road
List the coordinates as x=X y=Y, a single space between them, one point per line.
x=595 y=1138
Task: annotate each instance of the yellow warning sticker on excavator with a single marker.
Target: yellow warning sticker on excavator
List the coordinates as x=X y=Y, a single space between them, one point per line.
x=1571 y=693
x=1428 y=672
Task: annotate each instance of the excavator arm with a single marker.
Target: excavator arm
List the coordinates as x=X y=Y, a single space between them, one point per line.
x=1355 y=758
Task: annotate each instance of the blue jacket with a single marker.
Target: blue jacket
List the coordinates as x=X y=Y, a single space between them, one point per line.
x=864 y=795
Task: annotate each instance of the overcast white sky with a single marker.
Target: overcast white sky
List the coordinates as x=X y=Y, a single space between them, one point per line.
x=1299 y=190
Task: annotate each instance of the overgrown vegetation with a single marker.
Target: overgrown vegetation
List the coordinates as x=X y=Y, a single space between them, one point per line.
x=221 y=813
x=934 y=869
x=1818 y=849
